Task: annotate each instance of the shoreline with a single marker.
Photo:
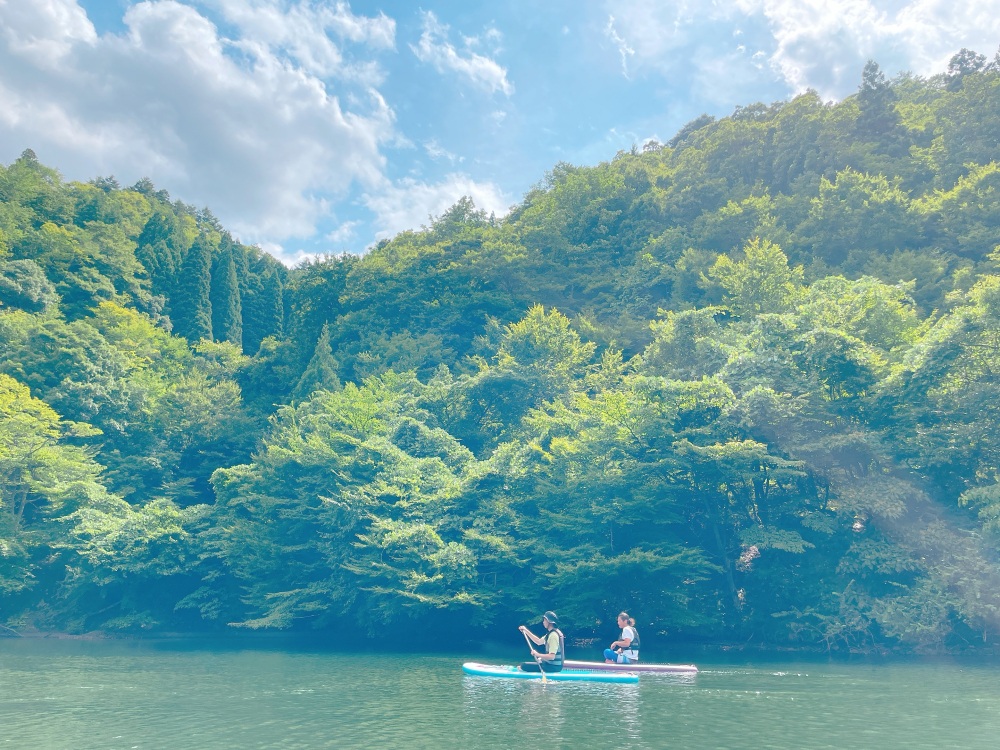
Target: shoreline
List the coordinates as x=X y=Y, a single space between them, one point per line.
x=687 y=651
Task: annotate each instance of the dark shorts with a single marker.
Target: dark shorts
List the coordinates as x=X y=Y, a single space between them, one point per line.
x=532 y=666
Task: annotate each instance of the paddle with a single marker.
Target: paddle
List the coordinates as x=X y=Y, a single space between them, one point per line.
x=532 y=648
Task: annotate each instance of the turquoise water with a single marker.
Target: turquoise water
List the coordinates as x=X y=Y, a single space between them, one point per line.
x=78 y=695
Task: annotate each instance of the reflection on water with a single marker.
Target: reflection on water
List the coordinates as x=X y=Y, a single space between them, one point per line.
x=61 y=695
x=529 y=713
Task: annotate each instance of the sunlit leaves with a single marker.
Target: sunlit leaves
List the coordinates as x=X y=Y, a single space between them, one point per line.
x=688 y=344
x=759 y=282
x=42 y=474
x=860 y=213
x=966 y=215
x=877 y=313
x=117 y=538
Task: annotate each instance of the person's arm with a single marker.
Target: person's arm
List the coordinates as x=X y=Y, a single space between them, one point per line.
x=625 y=641
x=534 y=638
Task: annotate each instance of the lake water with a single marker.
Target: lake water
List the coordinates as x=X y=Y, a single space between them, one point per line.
x=76 y=695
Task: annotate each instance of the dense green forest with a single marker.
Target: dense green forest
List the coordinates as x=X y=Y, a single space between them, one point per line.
x=744 y=384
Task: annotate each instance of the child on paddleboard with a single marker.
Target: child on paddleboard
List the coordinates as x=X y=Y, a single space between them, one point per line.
x=553 y=643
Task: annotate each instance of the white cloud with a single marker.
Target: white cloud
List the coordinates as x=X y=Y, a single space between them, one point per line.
x=44 y=32
x=623 y=47
x=652 y=32
x=434 y=48
x=819 y=44
x=824 y=45
x=345 y=233
x=240 y=125
x=436 y=151
x=494 y=36
x=302 y=31
x=410 y=204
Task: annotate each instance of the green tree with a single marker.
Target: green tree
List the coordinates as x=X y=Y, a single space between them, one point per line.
x=962 y=218
x=227 y=311
x=536 y=359
x=761 y=282
x=877 y=118
x=963 y=63
x=270 y=308
x=350 y=509
x=860 y=214
x=160 y=248
x=192 y=304
x=42 y=474
x=321 y=372
x=24 y=285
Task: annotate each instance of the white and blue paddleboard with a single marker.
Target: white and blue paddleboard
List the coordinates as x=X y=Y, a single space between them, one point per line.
x=636 y=666
x=566 y=675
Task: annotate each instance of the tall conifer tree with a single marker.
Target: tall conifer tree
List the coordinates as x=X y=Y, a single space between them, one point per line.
x=192 y=304
x=877 y=118
x=321 y=372
x=160 y=248
x=263 y=310
x=227 y=310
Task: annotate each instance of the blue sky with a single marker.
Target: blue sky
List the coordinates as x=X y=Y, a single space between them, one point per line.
x=321 y=126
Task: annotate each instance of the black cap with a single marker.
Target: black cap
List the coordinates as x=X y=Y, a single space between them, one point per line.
x=551 y=617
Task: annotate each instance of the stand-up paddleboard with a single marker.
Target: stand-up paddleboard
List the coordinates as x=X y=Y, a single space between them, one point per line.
x=566 y=675
x=633 y=667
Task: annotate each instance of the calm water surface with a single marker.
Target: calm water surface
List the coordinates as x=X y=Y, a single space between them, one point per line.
x=76 y=695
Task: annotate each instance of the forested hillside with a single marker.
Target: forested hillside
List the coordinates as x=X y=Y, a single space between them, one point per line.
x=743 y=384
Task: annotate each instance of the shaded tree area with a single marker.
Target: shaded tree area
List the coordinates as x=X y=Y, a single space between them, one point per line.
x=742 y=384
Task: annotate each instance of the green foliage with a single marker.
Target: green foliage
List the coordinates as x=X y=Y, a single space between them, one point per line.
x=321 y=372
x=353 y=492
x=877 y=118
x=263 y=309
x=227 y=309
x=857 y=213
x=24 y=286
x=536 y=359
x=964 y=216
x=742 y=384
x=760 y=282
x=42 y=474
x=689 y=345
x=192 y=304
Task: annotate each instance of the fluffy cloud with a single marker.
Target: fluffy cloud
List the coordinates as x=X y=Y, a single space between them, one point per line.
x=808 y=43
x=246 y=124
x=434 y=48
x=45 y=32
x=716 y=45
x=409 y=203
x=303 y=32
x=824 y=45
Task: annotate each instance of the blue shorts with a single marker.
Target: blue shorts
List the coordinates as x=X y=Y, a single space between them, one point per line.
x=610 y=655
